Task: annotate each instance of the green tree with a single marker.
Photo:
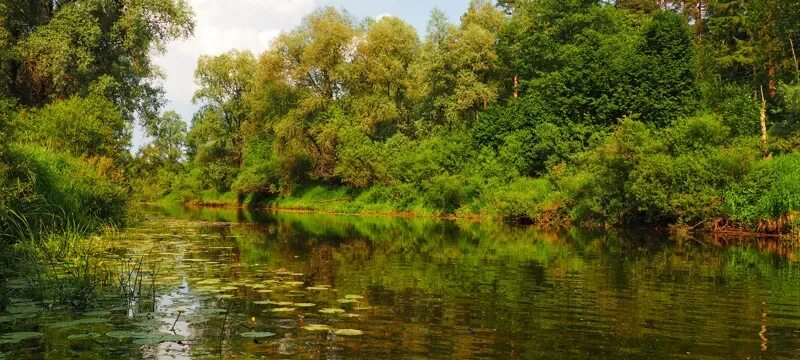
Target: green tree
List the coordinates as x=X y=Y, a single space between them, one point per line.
x=224 y=80
x=66 y=48
x=381 y=81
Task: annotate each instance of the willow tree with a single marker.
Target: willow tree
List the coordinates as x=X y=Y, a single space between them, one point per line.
x=314 y=60
x=380 y=76
x=223 y=82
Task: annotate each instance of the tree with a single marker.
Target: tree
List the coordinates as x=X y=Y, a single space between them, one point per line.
x=380 y=81
x=81 y=47
x=224 y=80
x=169 y=137
x=749 y=41
x=458 y=67
x=315 y=60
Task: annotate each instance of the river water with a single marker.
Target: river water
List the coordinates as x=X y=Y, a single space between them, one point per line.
x=222 y=283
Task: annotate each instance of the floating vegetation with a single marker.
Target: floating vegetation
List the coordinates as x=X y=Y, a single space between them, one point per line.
x=331 y=311
x=347 y=301
x=23 y=309
x=157 y=338
x=209 y=282
x=74 y=323
x=257 y=334
x=284 y=309
x=348 y=332
x=362 y=308
x=125 y=334
x=318 y=288
x=98 y=313
x=80 y=337
x=305 y=305
x=17 y=337
x=317 y=327
x=354 y=297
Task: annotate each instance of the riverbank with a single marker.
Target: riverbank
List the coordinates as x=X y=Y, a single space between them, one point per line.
x=344 y=201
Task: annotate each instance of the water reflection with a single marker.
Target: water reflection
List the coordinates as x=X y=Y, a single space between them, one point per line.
x=446 y=289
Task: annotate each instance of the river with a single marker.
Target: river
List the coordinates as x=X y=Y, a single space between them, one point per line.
x=227 y=283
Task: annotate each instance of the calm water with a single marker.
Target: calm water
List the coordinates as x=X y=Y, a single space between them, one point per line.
x=422 y=289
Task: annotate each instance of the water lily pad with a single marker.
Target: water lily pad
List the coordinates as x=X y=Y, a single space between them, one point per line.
x=23 y=309
x=356 y=297
x=360 y=308
x=347 y=301
x=213 y=311
x=74 y=323
x=209 y=281
x=348 y=332
x=157 y=338
x=331 y=311
x=98 y=313
x=17 y=337
x=305 y=305
x=126 y=334
x=317 y=288
x=283 y=309
x=317 y=327
x=257 y=334
x=224 y=296
x=294 y=283
x=80 y=337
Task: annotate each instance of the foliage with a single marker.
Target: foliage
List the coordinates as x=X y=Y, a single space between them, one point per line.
x=54 y=190
x=84 y=127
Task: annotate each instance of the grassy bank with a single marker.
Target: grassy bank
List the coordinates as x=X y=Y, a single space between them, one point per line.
x=46 y=192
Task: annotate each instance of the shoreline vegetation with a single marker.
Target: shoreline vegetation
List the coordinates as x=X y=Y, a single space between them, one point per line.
x=346 y=207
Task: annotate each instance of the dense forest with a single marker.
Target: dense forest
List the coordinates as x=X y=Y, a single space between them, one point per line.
x=605 y=113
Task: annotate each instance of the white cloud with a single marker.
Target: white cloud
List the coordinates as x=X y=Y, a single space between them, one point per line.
x=222 y=25
x=384 y=15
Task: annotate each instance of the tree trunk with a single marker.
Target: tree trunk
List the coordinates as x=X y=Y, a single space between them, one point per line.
x=764 y=149
x=698 y=22
x=516 y=85
x=773 y=85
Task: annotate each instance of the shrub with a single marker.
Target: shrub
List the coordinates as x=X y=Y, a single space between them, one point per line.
x=527 y=199
x=770 y=191
x=54 y=190
x=84 y=127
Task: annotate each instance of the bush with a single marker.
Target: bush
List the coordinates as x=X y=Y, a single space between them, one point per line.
x=56 y=190
x=771 y=191
x=523 y=199
x=84 y=127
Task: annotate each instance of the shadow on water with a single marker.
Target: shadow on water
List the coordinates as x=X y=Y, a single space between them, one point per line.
x=323 y=286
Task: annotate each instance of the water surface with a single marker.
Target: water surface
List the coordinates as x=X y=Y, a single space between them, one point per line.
x=421 y=288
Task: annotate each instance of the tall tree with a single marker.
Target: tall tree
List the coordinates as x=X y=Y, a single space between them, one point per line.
x=224 y=80
x=380 y=73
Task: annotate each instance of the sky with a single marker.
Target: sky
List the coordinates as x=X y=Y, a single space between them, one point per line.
x=222 y=25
